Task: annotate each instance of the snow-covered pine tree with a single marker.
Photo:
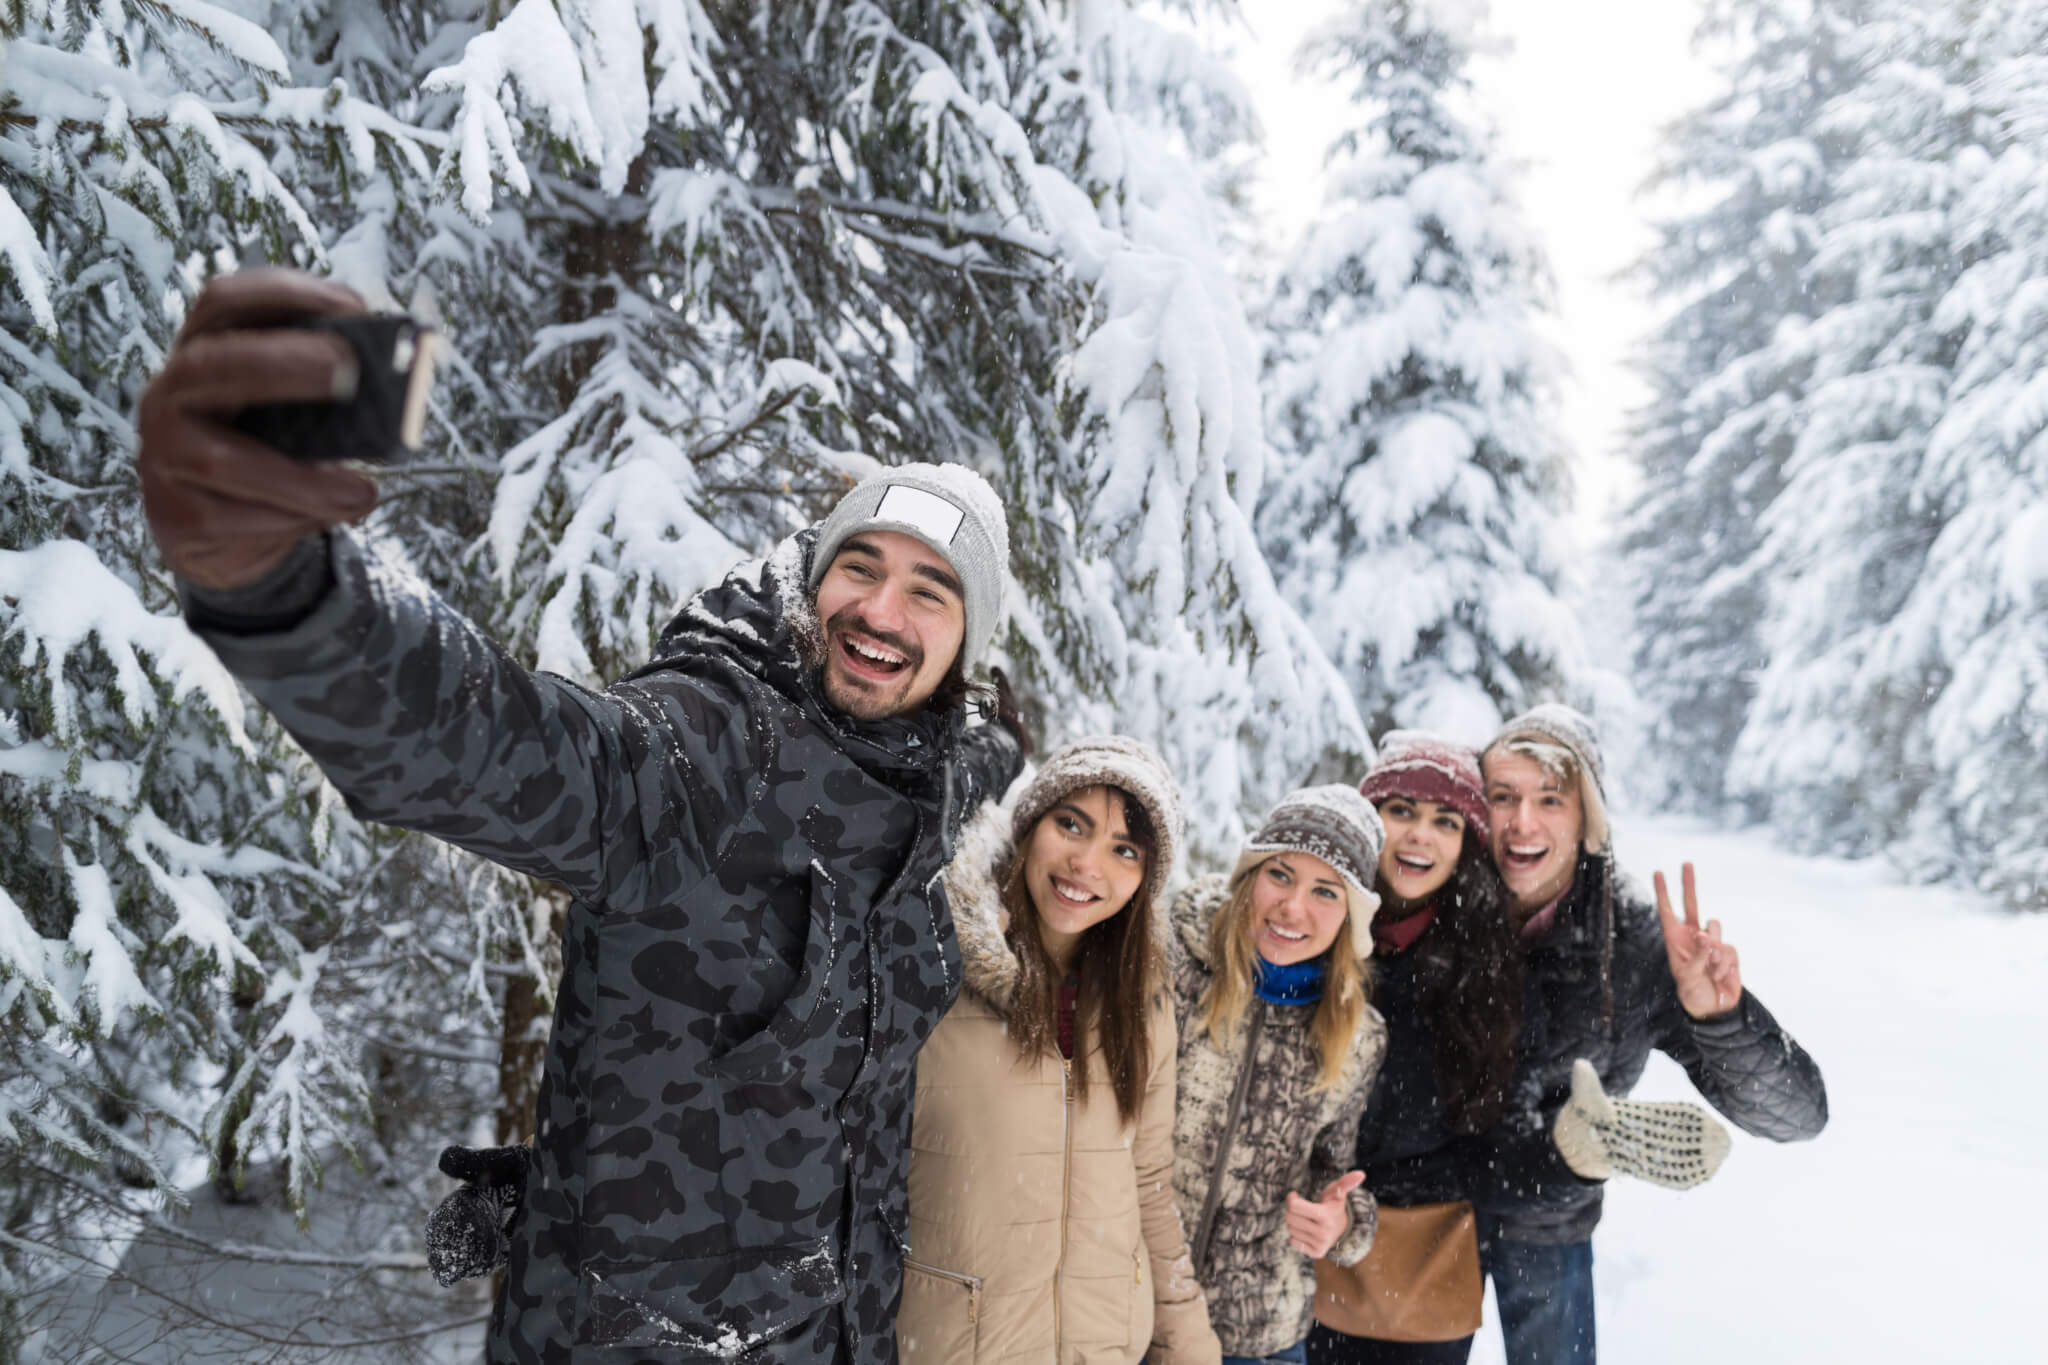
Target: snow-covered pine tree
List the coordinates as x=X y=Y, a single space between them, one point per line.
x=1967 y=646
x=1832 y=747
x=749 y=245
x=1415 y=517
x=175 y=883
x=1834 y=547
x=821 y=234
x=1753 y=169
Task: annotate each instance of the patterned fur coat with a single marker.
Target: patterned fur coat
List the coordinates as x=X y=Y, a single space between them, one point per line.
x=1239 y=1150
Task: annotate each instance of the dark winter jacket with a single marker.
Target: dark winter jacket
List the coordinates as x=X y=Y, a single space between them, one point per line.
x=1249 y=1129
x=757 y=946
x=1609 y=997
x=1404 y=1146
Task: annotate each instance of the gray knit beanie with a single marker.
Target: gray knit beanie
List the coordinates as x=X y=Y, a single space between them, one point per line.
x=1558 y=726
x=1129 y=765
x=950 y=508
x=1339 y=826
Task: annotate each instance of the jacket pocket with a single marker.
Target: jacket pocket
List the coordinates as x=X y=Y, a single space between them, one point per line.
x=713 y=1306
x=941 y=1315
x=764 y=1056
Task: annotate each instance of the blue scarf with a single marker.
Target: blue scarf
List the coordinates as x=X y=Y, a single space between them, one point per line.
x=1300 y=984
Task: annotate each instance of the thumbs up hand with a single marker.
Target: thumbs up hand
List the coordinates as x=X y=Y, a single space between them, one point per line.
x=1313 y=1226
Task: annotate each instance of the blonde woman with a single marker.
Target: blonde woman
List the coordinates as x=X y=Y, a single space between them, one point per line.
x=1042 y=1217
x=1279 y=1045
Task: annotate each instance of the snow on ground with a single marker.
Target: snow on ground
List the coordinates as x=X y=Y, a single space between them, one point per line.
x=342 y=1293
x=1911 y=1229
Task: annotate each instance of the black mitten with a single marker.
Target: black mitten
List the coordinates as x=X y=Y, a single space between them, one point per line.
x=466 y=1233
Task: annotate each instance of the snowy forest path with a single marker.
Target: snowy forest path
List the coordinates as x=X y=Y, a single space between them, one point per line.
x=1907 y=1231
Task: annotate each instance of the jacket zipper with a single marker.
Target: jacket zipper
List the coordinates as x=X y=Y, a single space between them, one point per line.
x=1066 y=1185
x=1207 y=1224
x=971 y=1283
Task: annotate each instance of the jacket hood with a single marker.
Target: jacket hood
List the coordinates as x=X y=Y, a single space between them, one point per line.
x=761 y=620
x=988 y=965
x=981 y=861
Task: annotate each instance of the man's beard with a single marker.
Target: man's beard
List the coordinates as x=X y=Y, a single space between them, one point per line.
x=866 y=698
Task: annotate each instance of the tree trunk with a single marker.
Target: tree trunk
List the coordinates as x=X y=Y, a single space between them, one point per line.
x=523 y=1042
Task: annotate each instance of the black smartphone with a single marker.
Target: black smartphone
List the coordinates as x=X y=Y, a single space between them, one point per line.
x=383 y=423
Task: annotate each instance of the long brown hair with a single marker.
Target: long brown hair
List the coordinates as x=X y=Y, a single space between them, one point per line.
x=1117 y=963
x=1347 y=983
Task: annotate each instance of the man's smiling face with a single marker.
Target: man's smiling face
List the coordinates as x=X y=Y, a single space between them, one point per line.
x=894 y=619
x=1537 y=820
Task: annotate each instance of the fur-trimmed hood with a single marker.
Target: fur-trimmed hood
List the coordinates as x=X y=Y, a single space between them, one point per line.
x=985 y=848
x=981 y=855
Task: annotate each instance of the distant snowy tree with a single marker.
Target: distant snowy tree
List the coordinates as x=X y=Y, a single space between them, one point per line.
x=1839 y=599
x=1414 y=515
x=1964 y=653
x=1832 y=746
x=1755 y=170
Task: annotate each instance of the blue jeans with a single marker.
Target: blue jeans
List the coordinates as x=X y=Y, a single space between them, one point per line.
x=1297 y=1354
x=1545 y=1295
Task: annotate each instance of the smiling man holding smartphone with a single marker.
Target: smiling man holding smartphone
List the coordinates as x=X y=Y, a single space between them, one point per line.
x=752 y=825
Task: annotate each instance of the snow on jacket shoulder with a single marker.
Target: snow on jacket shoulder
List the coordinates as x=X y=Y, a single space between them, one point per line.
x=1038 y=1232
x=745 y=981
x=1249 y=1130
x=1743 y=1062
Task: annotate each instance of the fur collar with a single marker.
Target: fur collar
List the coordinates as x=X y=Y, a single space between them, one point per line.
x=987 y=963
x=1194 y=910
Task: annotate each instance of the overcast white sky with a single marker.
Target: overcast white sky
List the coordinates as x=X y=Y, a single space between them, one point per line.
x=1579 y=101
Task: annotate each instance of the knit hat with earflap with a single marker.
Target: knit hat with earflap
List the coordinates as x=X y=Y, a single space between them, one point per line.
x=1428 y=767
x=953 y=511
x=1132 y=767
x=1557 y=726
x=1339 y=826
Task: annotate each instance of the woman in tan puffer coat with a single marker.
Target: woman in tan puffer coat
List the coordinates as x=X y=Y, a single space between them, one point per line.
x=1043 y=1227
x=1279 y=1047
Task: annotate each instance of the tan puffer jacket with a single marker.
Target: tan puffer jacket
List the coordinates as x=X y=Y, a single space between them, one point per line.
x=1040 y=1231
x=1249 y=1131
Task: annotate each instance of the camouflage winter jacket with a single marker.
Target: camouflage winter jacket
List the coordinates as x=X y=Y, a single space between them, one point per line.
x=1598 y=986
x=757 y=946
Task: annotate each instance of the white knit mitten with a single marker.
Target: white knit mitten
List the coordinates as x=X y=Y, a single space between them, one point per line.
x=1674 y=1144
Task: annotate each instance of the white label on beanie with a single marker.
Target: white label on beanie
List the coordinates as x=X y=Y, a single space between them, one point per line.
x=935 y=518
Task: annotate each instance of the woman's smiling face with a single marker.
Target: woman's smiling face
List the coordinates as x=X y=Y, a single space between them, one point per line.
x=1299 y=902
x=1424 y=839
x=1081 y=865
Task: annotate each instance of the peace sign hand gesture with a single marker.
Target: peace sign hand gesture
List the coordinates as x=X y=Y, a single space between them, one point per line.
x=1707 y=970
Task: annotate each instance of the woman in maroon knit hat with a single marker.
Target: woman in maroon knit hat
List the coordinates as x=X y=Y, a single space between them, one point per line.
x=1448 y=981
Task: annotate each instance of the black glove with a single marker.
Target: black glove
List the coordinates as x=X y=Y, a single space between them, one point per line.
x=1007 y=715
x=466 y=1232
